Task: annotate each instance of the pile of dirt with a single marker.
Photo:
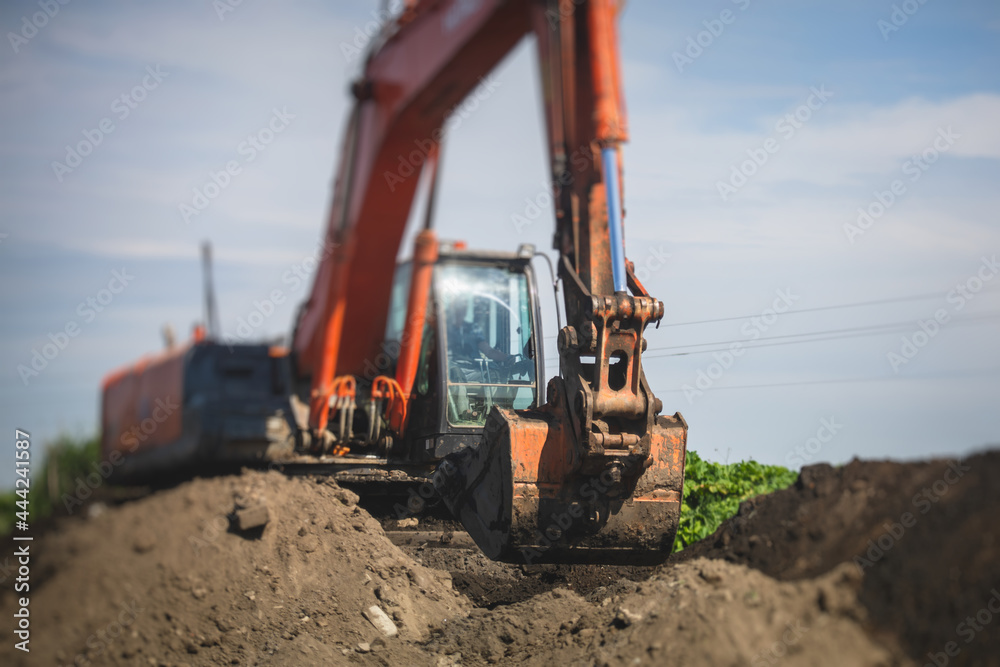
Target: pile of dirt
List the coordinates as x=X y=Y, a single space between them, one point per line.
x=171 y=579
x=926 y=536
x=873 y=563
x=699 y=613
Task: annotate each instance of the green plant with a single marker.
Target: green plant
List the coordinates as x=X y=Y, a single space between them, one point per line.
x=713 y=493
x=8 y=506
x=66 y=461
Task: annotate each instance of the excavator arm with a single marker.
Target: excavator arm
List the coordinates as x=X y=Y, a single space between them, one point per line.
x=426 y=63
x=595 y=473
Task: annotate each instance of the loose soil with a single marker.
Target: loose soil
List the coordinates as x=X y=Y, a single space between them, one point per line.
x=872 y=563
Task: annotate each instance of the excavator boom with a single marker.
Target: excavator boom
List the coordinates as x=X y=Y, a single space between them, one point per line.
x=594 y=471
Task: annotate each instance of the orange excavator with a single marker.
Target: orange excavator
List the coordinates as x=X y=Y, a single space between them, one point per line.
x=429 y=372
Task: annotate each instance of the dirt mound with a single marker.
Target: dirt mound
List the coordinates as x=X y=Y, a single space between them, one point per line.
x=869 y=564
x=925 y=535
x=699 y=613
x=167 y=580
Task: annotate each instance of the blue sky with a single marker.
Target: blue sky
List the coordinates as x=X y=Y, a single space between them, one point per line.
x=891 y=95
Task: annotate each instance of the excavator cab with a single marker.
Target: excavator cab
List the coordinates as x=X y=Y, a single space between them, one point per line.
x=481 y=347
x=488 y=325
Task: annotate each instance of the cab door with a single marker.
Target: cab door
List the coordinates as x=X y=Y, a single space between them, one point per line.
x=487 y=325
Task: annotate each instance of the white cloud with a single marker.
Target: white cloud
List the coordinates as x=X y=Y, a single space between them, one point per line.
x=843 y=144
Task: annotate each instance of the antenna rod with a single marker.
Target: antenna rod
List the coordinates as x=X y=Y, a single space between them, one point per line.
x=211 y=312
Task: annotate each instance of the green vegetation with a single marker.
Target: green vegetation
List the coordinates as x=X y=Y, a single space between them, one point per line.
x=66 y=461
x=8 y=506
x=713 y=493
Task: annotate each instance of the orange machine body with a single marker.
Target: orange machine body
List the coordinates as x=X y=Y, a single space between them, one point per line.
x=142 y=404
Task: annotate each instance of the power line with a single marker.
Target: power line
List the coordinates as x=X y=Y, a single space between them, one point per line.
x=911 y=378
x=849 y=333
x=857 y=304
x=808 y=337
x=777 y=344
x=915 y=297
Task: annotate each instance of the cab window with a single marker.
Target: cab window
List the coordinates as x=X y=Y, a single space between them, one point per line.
x=485 y=317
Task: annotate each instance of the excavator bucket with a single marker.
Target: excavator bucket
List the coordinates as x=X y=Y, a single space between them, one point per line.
x=524 y=498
